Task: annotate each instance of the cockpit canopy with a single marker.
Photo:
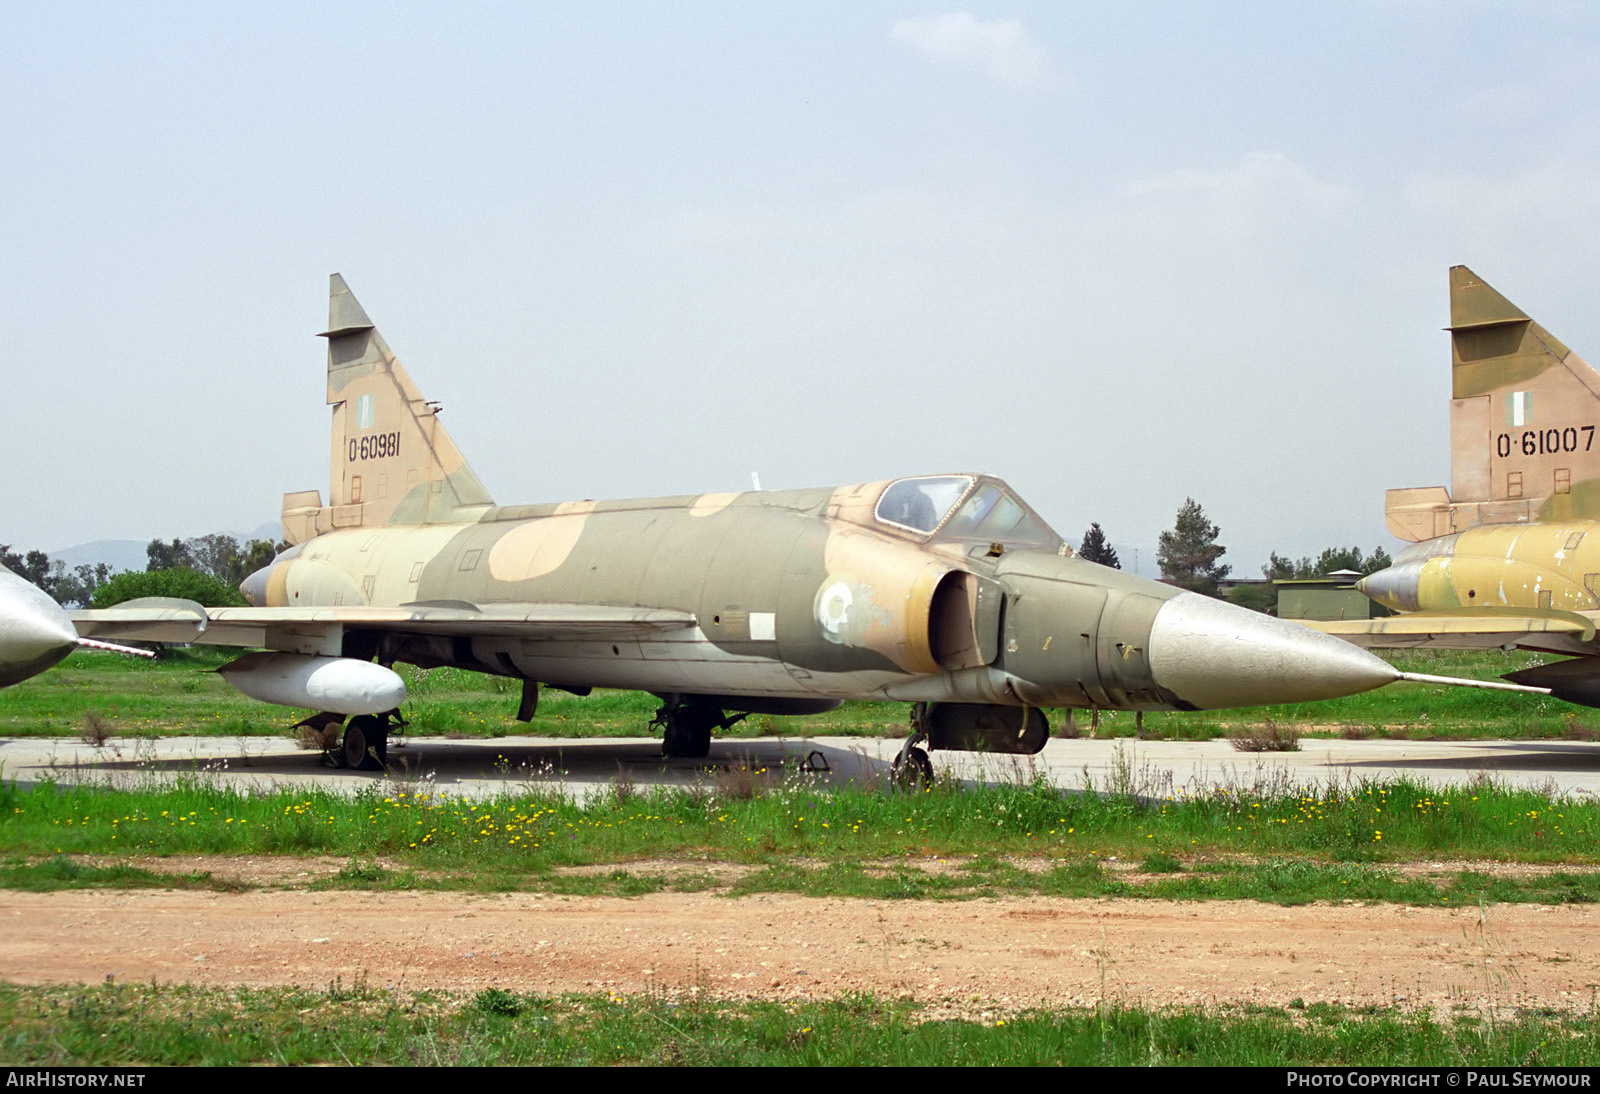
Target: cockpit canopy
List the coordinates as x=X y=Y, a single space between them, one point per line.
x=962 y=507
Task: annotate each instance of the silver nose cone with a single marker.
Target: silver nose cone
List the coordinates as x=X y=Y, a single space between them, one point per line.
x=1212 y=654
x=254 y=587
x=1396 y=586
x=34 y=632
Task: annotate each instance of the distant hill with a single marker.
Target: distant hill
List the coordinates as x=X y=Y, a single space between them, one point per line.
x=122 y=554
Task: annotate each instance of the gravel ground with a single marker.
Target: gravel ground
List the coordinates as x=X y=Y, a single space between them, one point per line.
x=1009 y=953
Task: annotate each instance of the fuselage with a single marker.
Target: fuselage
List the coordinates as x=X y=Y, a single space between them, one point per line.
x=1544 y=565
x=938 y=588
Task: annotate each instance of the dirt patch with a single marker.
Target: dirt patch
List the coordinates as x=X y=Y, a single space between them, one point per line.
x=1007 y=953
x=250 y=871
x=1513 y=870
x=725 y=873
x=285 y=872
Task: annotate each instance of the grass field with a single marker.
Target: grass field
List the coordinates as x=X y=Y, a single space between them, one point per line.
x=130 y=1025
x=1357 y=841
x=181 y=695
x=949 y=842
x=1271 y=843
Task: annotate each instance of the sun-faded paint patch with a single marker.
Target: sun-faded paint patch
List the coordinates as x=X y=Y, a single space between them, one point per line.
x=312 y=581
x=855 y=503
x=278 y=586
x=876 y=596
x=540 y=546
x=1582 y=500
x=707 y=504
x=397 y=554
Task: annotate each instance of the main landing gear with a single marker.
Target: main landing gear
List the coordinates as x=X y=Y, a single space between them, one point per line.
x=365 y=743
x=686 y=722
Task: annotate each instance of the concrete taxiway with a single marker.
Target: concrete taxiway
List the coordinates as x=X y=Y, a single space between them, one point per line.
x=582 y=767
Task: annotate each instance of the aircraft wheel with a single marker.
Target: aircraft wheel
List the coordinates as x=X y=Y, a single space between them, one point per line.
x=686 y=742
x=321 y=731
x=688 y=731
x=365 y=743
x=912 y=770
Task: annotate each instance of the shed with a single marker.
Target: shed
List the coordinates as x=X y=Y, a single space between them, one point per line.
x=1332 y=596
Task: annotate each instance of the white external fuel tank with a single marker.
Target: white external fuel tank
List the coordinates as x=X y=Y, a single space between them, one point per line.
x=341 y=685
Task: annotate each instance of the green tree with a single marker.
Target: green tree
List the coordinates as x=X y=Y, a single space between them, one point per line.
x=1188 y=553
x=180 y=582
x=31 y=566
x=257 y=554
x=216 y=555
x=1331 y=559
x=1258 y=596
x=1279 y=568
x=1096 y=549
x=167 y=556
x=78 y=587
x=69 y=589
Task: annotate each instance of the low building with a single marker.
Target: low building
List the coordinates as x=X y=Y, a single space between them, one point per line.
x=1331 y=596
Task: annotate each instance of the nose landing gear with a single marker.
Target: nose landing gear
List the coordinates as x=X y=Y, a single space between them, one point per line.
x=911 y=769
x=967 y=727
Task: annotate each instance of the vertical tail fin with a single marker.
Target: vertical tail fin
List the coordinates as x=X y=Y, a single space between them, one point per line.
x=1524 y=414
x=392 y=460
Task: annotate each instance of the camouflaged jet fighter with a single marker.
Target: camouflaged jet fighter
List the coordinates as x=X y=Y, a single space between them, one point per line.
x=945 y=591
x=1509 y=556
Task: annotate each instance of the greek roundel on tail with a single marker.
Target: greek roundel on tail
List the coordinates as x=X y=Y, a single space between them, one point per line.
x=1510 y=555
x=945 y=591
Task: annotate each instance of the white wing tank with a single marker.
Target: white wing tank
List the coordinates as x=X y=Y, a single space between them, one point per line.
x=341 y=685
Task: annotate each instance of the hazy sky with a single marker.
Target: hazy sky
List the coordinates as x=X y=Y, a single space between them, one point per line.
x=1120 y=254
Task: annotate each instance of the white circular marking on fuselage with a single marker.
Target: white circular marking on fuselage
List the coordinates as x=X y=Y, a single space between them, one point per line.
x=833 y=610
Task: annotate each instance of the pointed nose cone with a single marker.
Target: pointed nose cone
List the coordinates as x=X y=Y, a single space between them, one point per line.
x=1212 y=654
x=34 y=632
x=254 y=587
x=1395 y=587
